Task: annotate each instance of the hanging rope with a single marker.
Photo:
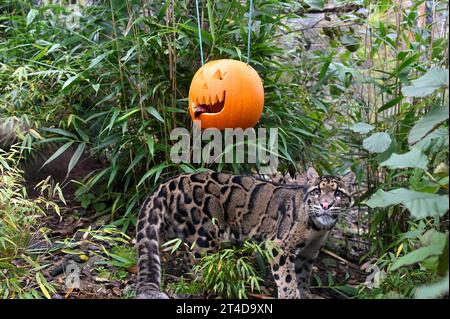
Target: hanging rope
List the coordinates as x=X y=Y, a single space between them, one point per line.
x=199 y=33
x=249 y=30
x=250 y=12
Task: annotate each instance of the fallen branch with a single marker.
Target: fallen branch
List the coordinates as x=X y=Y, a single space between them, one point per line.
x=331 y=254
x=259 y=296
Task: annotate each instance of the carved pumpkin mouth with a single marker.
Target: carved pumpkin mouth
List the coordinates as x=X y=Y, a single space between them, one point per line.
x=208 y=104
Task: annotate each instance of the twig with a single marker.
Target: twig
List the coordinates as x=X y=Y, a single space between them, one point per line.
x=329 y=253
x=259 y=296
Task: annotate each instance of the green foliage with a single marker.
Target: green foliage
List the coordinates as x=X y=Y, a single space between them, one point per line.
x=433 y=244
x=114 y=254
x=377 y=142
x=122 y=256
x=428 y=202
x=420 y=204
x=20 y=266
x=436 y=290
x=412 y=159
x=231 y=272
x=394 y=286
x=434 y=79
x=426 y=124
x=362 y=128
x=185 y=287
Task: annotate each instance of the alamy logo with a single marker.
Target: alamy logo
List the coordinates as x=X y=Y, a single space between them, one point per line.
x=72 y=272
x=227 y=146
x=375 y=277
x=71 y=17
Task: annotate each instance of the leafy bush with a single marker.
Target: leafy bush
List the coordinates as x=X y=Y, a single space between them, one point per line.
x=231 y=272
x=20 y=264
x=428 y=179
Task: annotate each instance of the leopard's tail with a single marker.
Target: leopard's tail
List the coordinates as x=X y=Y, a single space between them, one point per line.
x=150 y=222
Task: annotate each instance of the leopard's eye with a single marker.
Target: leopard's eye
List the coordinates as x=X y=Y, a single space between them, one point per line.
x=338 y=193
x=315 y=192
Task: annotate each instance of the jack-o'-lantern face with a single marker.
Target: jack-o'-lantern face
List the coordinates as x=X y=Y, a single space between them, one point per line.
x=226 y=93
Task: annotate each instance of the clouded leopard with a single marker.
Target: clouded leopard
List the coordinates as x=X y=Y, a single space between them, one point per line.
x=207 y=208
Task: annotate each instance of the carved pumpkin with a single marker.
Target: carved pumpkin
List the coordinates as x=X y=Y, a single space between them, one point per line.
x=226 y=93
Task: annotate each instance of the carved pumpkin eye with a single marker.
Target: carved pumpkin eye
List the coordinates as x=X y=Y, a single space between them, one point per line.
x=226 y=93
x=217 y=75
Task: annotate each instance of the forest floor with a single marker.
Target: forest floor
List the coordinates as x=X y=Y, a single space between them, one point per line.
x=104 y=262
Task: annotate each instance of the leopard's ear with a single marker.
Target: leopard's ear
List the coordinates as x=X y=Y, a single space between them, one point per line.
x=349 y=180
x=311 y=174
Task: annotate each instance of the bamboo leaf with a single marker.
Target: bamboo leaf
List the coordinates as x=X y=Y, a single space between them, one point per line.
x=127 y=115
x=75 y=157
x=60 y=132
x=69 y=81
x=209 y=5
x=155 y=114
x=153 y=171
x=98 y=59
x=41 y=281
x=31 y=16
x=136 y=160
x=61 y=150
x=390 y=104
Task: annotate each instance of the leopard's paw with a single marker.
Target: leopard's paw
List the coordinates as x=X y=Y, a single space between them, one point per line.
x=152 y=294
x=305 y=294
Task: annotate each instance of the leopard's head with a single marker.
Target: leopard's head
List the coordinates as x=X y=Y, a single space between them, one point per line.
x=327 y=197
